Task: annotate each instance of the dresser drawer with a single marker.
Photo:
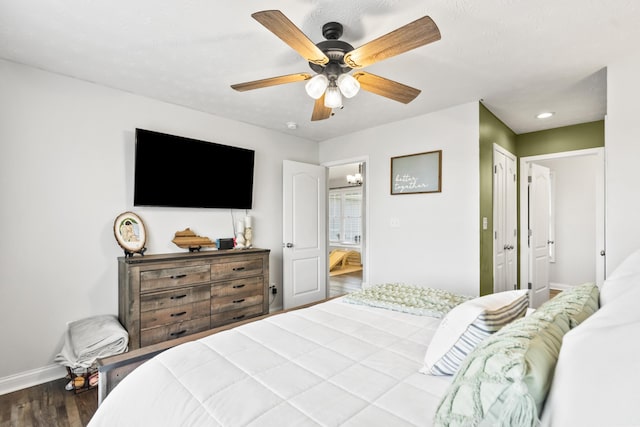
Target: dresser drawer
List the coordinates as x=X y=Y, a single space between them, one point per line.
x=174 y=298
x=248 y=286
x=180 y=313
x=171 y=277
x=234 y=302
x=230 y=316
x=236 y=269
x=176 y=330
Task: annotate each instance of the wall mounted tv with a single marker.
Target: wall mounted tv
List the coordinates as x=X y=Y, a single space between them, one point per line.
x=174 y=171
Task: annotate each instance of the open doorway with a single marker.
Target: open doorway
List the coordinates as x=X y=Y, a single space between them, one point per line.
x=346 y=227
x=572 y=242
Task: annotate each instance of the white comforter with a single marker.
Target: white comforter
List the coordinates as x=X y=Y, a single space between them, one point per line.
x=331 y=364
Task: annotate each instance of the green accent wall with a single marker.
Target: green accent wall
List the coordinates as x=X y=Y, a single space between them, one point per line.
x=493 y=130
x=558 y=140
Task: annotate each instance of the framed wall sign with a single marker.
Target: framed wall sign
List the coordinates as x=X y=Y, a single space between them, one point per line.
x=417 y=173
x=130 y=233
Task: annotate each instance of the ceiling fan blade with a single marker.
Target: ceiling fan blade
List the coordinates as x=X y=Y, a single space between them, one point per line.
x=387 y=88
x=418 y=33
x=276 y=22
x=273 y=81
x=320 y=112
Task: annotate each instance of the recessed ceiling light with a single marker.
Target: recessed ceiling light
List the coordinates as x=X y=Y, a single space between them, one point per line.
x=545 y=115
x=292 y=125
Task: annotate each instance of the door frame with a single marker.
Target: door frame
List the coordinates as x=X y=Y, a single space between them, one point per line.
x=600 y=207
x=365 y=223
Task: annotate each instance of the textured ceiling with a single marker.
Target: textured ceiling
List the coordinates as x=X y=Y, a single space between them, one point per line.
x=518 y=57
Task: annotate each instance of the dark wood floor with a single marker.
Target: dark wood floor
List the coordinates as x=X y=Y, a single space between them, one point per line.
x=48 y=405
x=345 y=283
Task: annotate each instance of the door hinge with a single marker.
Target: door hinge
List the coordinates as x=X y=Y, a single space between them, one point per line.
x=495 y=168
x=530 y=233
x=530 y=180
x=529 y=285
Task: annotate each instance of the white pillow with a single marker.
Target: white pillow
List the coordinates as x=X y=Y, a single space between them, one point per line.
x=598 y=371
x=624 y=279
x=467 y=324
x=617 y=286
x=630 y=266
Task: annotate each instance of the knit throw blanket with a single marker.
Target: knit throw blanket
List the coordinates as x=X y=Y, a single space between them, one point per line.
x=408 y=299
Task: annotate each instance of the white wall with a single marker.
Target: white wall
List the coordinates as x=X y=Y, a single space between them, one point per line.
x=622 y=136
x=575 y=214
x=66 y=172
x=437 y=242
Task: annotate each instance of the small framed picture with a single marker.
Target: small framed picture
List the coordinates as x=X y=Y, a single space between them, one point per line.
x=130 y=233
x=417 y=173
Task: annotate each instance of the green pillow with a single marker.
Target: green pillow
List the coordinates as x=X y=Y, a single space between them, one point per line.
x=579 y=302
x=504 y=381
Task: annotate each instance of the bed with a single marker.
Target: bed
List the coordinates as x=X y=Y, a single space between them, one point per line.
x=481 y=361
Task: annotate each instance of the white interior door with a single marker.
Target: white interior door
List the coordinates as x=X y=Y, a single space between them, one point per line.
x=539 y=192
x=600 y=243
x=505 y=232
x=511 y=222
x=304 y=251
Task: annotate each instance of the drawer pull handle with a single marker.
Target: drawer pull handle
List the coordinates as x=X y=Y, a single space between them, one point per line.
x=238 y=268
x=178 y=276
x=238 y=286
x=178 y=296
x=182 y=313
x=238 y=301
x=176 y=334
x=238 y=317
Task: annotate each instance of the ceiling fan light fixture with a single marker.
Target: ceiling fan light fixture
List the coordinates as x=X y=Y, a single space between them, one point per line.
x=354 y=179
x=333 y=97
x=348 y=85
x=316 y=86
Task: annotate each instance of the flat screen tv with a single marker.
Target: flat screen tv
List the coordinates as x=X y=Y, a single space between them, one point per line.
x=174 y=171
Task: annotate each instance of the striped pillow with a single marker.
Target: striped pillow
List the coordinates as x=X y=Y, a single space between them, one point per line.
x=468 y=324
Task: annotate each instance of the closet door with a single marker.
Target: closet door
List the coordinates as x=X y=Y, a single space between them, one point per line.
x=505 y=229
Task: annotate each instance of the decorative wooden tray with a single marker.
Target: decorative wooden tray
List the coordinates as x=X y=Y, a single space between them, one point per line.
x=187 y=239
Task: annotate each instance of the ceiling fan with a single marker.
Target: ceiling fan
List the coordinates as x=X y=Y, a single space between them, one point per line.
x=333 y=59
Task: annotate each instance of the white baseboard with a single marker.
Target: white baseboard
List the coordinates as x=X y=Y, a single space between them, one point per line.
x=275 y=309
x=559 y=286
x=31 y=378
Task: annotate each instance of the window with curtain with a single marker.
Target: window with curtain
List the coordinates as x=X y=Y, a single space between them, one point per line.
x=345 y=215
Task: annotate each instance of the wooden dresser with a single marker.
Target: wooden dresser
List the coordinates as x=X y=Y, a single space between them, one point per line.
x=162 y=297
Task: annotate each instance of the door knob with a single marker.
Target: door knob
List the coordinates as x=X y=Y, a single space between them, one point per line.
x=602 y=253
x=287 y=245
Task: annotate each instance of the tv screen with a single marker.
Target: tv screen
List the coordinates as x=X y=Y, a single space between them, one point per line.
x=174 y=171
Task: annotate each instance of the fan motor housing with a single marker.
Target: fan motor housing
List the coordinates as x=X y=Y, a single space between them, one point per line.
x=335 y=51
